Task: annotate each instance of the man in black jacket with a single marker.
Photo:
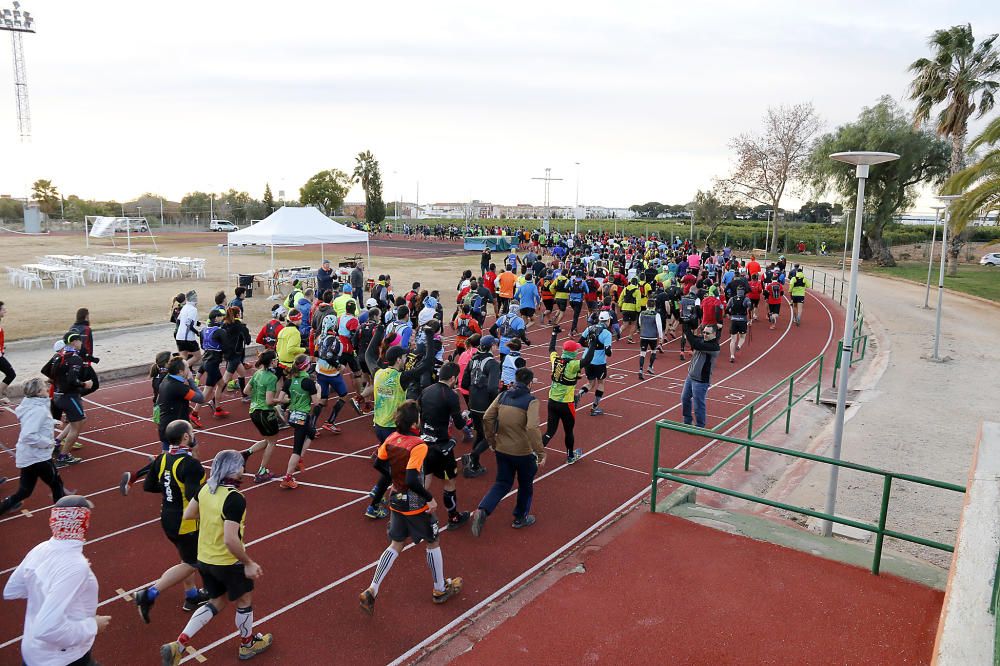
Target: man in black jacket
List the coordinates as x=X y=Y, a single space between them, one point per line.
x=482 y=380
x=439 y=404
x=70 y=378
x=699 y=377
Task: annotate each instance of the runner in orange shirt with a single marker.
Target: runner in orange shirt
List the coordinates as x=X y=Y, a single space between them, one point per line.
x=506 y=283
x=753 y=267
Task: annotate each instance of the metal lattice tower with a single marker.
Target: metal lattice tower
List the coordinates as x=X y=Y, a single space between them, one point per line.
x=16 y=22
x=548 y=184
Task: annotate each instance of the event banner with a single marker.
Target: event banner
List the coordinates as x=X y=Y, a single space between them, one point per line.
x=103 y=227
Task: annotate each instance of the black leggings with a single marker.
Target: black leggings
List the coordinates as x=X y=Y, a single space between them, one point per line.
x=7 y=370
x=564 y=412
x=576 y=306
x=480 y=445
x=44 y=470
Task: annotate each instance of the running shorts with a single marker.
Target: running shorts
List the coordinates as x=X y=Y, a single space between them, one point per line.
x=350 y=359
x=647 y=344
x=213 y=373
x=418 y=527
x=737 y=327
x=233 y=364
x=69 y=404
x=440 y=463
x=597 y=371
x=630 y=316
x=266 y=421
x=774 y=308
x=561 y=304
x=799 y=299
x=528 y=312
x=187 y=547
x=187 y=346
x=548 y=305
x=226 y=580
x=327 y=382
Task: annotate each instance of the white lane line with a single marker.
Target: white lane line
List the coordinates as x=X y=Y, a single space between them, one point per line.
x=323 y=485
x=630 y=469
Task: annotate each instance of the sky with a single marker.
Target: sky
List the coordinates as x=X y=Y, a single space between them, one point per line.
x=461 y=100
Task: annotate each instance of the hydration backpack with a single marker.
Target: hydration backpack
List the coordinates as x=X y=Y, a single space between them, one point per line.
x=688 y=309
x=330 y=349
x=775 y=289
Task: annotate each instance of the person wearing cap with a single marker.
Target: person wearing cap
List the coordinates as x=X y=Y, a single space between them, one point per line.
x=595 y=361
x=324 y=277
x=511 y=425
x=303 y=401
x=322 y=308
x=186 y=334
x=340 y=302
x=699 y=376
x=267 y=337
x=798 y=283
x=289 y=344
x=630 y=304
x=566 y=369
x=68 y=374
x=428 y=312
x=61 y=620
x=482 y=381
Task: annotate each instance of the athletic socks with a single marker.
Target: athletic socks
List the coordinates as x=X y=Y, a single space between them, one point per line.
x=451 y=502
x=642 y=360
x=191 y=593
x=337 y=406
x=597 y=397
x=244 y=624
x=435 y=562
x=152 y=592
x=198 y=620
x=384 y=564
x=242 y=383
x=652 y=359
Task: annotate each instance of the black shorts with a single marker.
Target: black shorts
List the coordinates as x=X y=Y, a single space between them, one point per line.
x=419 y=527
x=561 y=304
x=226 y=580
x=69 y=404
x=737 y=327
x=591 y=305
x=186 y=545
x=350 y=359
x=266 y=421
x=302 y=433
x=213 y=373
x=187 y=346
x=774 y=308
x=597 y=372
x=799 y=299
x=440 y=463
x=548 y=305
x=528 y=312
x=754 y=303
x=630 y=316
x=233 y=364
x=648 y=344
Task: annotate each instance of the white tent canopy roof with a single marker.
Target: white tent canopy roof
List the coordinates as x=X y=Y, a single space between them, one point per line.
x=294 y=225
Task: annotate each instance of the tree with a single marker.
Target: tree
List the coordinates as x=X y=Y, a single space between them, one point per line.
x=709 y=209
x=11 y=209
x=196 y=205
x=326 y=190
x=891 y=186
x=770 y=163
x=47 y=196
x=980 y=182
x=367 y=173
x=961 y=75
x=239 y=205
x=268 y=200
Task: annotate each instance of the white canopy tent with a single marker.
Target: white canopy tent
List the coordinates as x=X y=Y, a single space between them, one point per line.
x=296 y=226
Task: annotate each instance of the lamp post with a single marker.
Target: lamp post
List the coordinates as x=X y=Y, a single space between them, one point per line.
x=862 y=160
x=930 y=260
x=947 y=199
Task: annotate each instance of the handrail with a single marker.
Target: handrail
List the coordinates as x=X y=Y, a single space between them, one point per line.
x=857 y=339
x=995 y=612
x=880 y=530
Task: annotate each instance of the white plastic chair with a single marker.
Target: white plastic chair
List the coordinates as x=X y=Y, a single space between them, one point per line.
x=30 y=280
x=64 y=278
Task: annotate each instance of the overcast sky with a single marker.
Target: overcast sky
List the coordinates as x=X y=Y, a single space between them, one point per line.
x=470 y=99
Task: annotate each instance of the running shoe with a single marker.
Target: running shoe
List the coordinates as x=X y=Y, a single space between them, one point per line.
x=452 y=586
x=332 y=427
x=171 y=653
x=259 y=643
x=472 y=471
x=574 y=456
x=651 y=372
x=220 y=413
x=263 y=476
x=144 y=603
x=124 y=483
x=289 y=482
x=66 y=459
x=373 y=493
x=77 y=446
x=300 y=466
x=466 y=461
x=478 y=520
x=526 y=521
x=367 y=602
x=732 y=359
x=195 y=421
x=5 y=508
x=376 y=512
x=232 y=386
x=458 y=519
x=682 y=356
x=641 y=376
x=190 y=605
x=357 y=406
x=596 y=411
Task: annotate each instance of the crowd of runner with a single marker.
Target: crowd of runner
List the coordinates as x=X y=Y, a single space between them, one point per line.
x=434 y=379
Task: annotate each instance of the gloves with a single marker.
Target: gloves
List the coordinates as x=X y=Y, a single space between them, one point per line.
x=94 y=359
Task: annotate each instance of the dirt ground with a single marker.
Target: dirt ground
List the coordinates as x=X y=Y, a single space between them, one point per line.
x=47 y=312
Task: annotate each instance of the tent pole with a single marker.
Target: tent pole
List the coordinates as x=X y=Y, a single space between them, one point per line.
x=229 y=270
x=86 y=231
x=322 y=252
x=128 y=233
x=369 y=248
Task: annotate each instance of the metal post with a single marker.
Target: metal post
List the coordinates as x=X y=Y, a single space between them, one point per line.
x=880 y=535
x=576 y=208
x=930 y=260
x=843 y=263
x=656 y=465
x=846 y=344
x=940 y=303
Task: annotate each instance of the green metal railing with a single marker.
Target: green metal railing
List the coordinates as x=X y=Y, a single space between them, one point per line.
x=833 y=286
x=994 y=608
x=879 y=529
x=859 y=348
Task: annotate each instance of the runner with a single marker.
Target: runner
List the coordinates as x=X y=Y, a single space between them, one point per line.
x=774 y=293
x=67 y=373
x=211 y=345
x=438 y=405
x=799 y=284
x=303 y=398
x=5 y=366
x=265 y=394
x=562 y=394
x=577 y=290
x=401 y=456
x=186 y=333
x=482 y=381
x=528 y=297
x=690 y=313
x=464 y=325
x=506 y=282
x=227 y=569
x=329 y=375
x=178 y=477
x=235 y=338
x=268 y=335
x=738 y=308
x=595 y=361
x=650 y=336
x=754 y=293
x=289 y=343
x=629 y=304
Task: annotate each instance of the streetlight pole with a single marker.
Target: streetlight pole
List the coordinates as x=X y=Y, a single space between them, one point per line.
x=862 y=161
x=930 y=260
x=947 y=199
x=847 y=226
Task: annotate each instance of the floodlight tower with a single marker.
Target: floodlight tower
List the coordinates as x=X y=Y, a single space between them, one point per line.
x=16 y=22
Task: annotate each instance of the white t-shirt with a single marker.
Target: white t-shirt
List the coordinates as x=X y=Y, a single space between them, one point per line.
x=186 y=321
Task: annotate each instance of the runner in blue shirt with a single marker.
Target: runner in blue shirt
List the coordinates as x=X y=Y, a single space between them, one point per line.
x=510 y=325
x=529 y=298
x=598 y=340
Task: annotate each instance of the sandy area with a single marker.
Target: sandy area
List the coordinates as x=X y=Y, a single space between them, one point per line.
x=49 y=312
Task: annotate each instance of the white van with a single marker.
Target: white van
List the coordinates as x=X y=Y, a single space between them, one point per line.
x=222 y=225
x=125 y=225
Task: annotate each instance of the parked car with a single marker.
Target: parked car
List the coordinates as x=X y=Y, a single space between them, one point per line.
x=991 y=259
x=222 y=225
x=124 y=225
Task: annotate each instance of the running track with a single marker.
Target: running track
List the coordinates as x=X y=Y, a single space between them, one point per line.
x=316 y=549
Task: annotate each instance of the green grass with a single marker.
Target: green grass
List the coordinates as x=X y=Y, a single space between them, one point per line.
x=982 y=281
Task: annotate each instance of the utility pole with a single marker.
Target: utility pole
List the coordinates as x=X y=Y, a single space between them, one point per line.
x=16 y=22
x=548 y=181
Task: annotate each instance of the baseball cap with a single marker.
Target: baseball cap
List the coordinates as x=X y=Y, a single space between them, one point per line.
x=371 y=303
x=604 y=316
x=572 y=346
x=430 y=302
x=214 y=314
x=70 y=337
x=347 y=288
x=487 y=342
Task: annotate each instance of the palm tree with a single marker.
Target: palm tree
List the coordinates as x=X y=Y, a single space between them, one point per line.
x=958 y=74
x=365 y=165
x=980 y=182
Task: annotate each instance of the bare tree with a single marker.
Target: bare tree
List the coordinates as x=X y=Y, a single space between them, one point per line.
x=769 y=163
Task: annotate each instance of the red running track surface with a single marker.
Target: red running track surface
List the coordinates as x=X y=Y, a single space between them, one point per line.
x=316 y=549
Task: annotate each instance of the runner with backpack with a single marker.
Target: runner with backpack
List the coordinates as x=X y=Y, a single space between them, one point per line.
x=482 y=380
x=328 y=373
x=797 y=290
x=563 y=397
x=464 y=325
x=774 y=293
x=738 y=308
x=690 y=314
x=70 y=382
